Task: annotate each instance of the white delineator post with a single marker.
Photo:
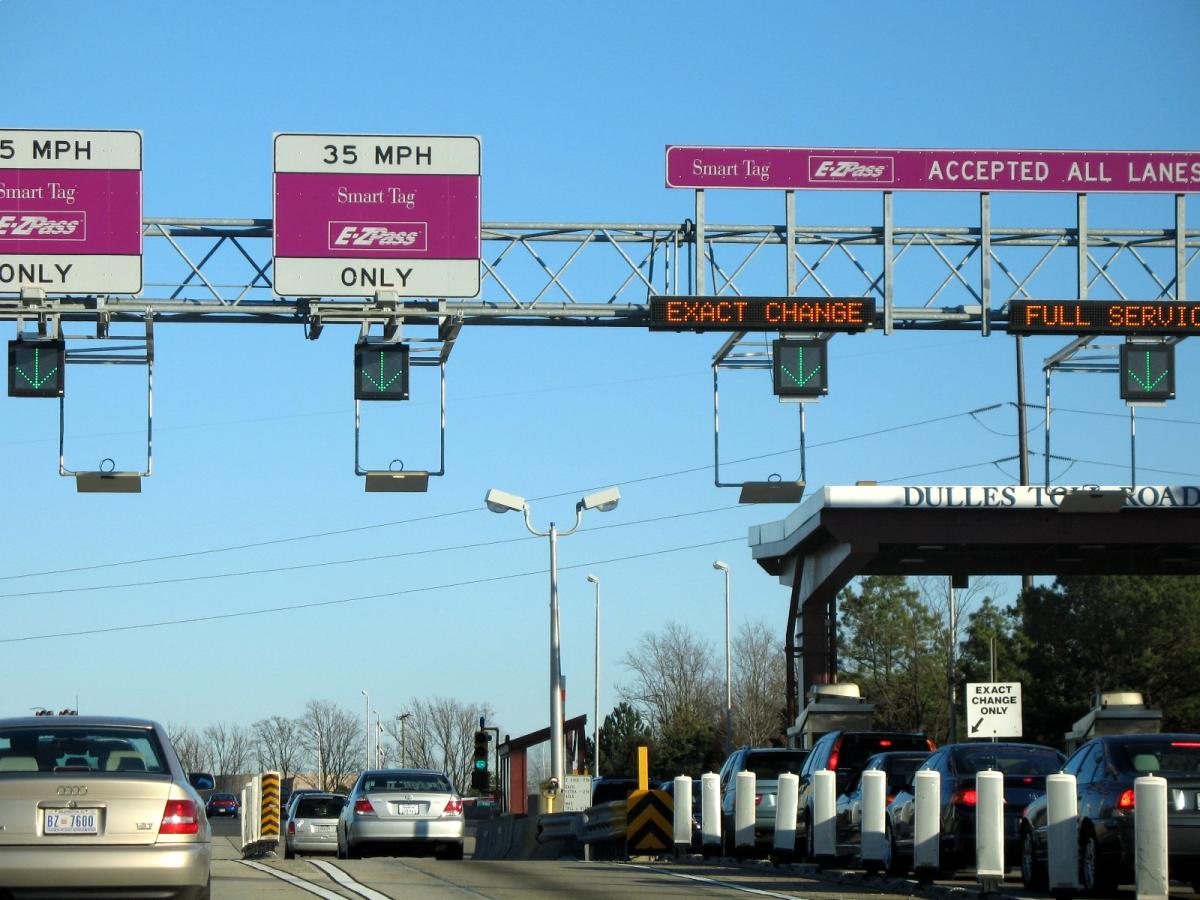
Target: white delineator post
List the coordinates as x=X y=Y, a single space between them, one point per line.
x=989 y=826
x=927 y=813
x=682 y=825
x=710 y=809
x=874 y=803
x=787 y=801
x=824 y=820
x=1150 y=837
x=1062 y=833
x=744 y=811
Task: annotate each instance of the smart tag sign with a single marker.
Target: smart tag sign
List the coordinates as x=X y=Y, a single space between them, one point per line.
x=994 y=710
x=698 y=313
x=71 y=211
x=1103 y=317
x=357 y=215
x=1147 y=372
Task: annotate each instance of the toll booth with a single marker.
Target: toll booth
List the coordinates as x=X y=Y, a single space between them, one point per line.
x=1123 y=712
x=830 y=707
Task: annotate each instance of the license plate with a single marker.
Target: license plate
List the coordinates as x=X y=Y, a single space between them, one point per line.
x=326 y=829
x=408 y=809
x=71 y=821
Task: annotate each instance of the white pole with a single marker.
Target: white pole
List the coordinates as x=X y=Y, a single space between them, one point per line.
x=1150 y=837
x=556 y=704
x=785 y=813
x=744 y=811
x=927 y=814
x=367 y=728
x=1062 y=833
x=989 y=825
x=824 y=820
x=596 y=701
x=871 y=827
x=710 y=809
x=682 y=824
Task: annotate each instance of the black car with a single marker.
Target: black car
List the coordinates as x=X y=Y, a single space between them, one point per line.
x=845 y=753
x=1105 y=769
x=1025 y=767
x=898 y=767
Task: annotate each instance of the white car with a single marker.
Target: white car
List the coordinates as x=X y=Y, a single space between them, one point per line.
x=390 y=808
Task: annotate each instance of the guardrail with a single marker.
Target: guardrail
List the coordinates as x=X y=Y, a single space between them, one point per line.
x=564 y=826
x=604 y=830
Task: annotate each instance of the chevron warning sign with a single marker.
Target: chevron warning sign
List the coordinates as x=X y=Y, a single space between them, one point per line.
x=650 y=816
x=270 y=805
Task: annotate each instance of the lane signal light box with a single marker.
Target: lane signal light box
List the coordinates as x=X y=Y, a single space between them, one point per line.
x=36 y=368
x=800 y=368
x=1147 y=372
x=381 y=371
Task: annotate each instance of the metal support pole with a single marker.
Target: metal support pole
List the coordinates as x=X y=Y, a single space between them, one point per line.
x=367 y=729
x=1022 y=434
x=789 y=202
x=985 y=262
x=1081 y=253
x=700 y=254
x=596 y=699
x=557 y=770
x=1046 y=454
x=1180 y=247
x=953 y=705
x=728 y=674
x=888 y=261
x=1132 y=446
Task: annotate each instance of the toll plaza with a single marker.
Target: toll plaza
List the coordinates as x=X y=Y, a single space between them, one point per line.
x=841 y=532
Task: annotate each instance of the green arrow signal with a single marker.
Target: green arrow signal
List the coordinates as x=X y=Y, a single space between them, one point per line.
x=801 y=379
x=1146 y=384
x=38 y=379
x=384 y=382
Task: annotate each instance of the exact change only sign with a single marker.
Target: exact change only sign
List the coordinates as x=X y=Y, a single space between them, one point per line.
x=71 y=211
x=823 y=168
x=994 y=709
x=356 y=215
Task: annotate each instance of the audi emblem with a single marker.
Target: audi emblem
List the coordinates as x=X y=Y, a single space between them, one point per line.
x=71 y=790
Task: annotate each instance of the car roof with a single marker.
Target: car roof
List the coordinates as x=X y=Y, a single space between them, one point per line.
x=83 y=721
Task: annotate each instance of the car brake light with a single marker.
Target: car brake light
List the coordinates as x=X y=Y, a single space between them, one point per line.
x=885 y=743
x=833 y=755
x=1185 y=743
x=291 y=827
x=965 y=796
x=932 y=746
x=758 y=799
x=1125 y=801
x=890 y=798
x=363 y=807
x=179 y=817
x=453 y=807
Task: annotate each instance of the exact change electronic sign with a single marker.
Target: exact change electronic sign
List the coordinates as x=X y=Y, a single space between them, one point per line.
x=762 y=313
x=800 y=368
x=71 y=211
x=357 y=215
x=1147 y=372
x=1103 y=317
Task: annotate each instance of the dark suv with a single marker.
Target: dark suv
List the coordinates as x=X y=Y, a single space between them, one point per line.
x=767 y=764
x=845 y=752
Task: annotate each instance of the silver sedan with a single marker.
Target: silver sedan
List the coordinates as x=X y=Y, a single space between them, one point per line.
x=390 y=808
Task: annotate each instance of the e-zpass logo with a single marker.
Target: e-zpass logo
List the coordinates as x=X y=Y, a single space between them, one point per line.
x=874 y=169
x=377 y=235
x=39 y=226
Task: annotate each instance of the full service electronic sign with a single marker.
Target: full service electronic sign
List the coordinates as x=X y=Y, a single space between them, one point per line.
x=1103 y=317
x=358 y=215
x=839 y=169
x=698 y=313
x=70 y=211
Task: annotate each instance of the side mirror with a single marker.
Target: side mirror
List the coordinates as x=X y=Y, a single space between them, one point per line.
x=201 y=781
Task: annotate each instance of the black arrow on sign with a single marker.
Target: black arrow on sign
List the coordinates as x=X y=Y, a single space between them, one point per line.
x=975 y=727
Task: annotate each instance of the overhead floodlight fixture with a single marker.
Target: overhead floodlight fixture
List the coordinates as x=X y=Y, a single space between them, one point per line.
x=1093 y=500
x=723 y=566
x=605 y=500
x=502 y=502
x=771 y=492
x=593 y=579
x=412 y=482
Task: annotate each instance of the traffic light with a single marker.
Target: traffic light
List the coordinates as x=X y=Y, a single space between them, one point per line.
x=1147 y=372
x=480 y=779
x=36 y=368
x=800 y=367
x=381 y=371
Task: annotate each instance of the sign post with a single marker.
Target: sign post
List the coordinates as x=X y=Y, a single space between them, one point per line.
x=70 y=211
x=994 y=709
x=356 y=215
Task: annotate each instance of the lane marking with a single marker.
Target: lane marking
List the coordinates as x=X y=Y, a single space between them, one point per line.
x=712 y=881
x=293 y=880
x=343 y=878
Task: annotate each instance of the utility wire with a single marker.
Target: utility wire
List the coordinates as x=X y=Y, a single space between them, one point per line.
x=347 y=600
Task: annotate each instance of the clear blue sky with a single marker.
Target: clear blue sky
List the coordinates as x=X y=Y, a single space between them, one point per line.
x=574 y=105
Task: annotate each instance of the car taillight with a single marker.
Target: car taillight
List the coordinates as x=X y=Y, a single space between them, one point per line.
x=1185 y=743
x=885 y=743
x=833 y=755
x=363 y=807
x=1125 y=801
x=453 y=807
x=931 y=744
x=965 y=796
x=890 y=798
x=179 y=817
x=758 y=799
x=291 y=827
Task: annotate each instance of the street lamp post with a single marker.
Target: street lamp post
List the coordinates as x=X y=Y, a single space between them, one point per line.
x=500 y=502
x=320 y=759
x=596 y=702
x=403 y=743
x=724 y=567
x=367 y=728
x=378 y=742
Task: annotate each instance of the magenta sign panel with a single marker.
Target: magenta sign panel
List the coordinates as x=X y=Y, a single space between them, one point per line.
x=71 y=211
x=357 y=215
x=812 y=168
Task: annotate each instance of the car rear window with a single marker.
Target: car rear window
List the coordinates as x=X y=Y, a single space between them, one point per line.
x=1166 y=755
x=1011 y=761
x=900 y=771
x=59 y=747
x=320 y=807
x=855 y=749
x=769 y=766
x=414 y=782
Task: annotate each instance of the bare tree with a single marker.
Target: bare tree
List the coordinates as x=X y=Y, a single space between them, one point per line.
x=759 y=684
x=439 y=734
x=229 y=747
x=191 y=750
x=338 y=738
x=674 y=678
x=280 y=746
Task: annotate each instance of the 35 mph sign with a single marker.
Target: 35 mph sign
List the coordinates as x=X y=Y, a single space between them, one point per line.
x=994 y=710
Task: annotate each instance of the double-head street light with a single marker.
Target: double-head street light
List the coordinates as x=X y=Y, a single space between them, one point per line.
x=502 y=502
x=367 y=729
x=724 y=567
x=594 y=579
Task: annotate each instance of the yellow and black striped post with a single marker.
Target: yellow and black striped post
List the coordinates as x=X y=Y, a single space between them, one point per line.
x=650 y=819
x=270 y=807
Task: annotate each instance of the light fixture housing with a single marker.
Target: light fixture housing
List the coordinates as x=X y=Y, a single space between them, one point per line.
x=502 y=502
x=723 y=566
x=593 y=579
x=604 y=500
